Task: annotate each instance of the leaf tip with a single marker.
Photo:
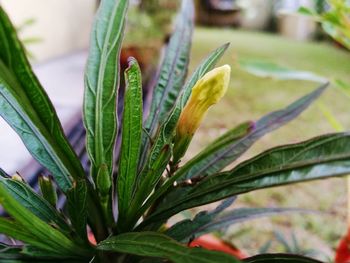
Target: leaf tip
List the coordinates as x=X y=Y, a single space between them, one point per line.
x=251 y=126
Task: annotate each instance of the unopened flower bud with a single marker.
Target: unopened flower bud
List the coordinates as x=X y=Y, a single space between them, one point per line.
x=103 y=180
x=205 y=93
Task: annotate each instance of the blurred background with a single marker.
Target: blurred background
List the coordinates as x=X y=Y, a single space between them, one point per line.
x=268 y=37
x=61 y=26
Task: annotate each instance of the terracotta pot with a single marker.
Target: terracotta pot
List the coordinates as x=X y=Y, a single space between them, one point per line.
x=342 y=254
x=211 y=242
x=144 y=55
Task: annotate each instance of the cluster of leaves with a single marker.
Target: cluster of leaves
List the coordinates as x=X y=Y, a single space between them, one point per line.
x=335 y=21
x=261 y=68
x=267 y=69
x=125 y=204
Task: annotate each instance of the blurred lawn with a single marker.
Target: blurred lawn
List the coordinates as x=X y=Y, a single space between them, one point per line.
x=249 y=98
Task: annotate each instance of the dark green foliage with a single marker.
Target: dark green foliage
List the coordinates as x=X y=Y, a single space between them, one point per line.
x=149 y=187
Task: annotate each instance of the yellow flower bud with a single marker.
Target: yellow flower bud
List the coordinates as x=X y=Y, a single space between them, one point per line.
x=205 y=93
x=17 y=177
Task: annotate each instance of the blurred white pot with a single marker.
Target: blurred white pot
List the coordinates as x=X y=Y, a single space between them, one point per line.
x=296 y=26
x=255 y=14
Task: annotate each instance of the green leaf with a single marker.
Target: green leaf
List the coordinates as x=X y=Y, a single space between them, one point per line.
x=336 y=31
x=188 y=229
x=17 y=261
x=150 y=180
x=229 y=136
x=29 y=253
x=77 y=207
x=131 y=137
x=174 y=67
x=219 y=155
x=220 y=144
x=208 y=222
x=306 y=11
x=9 y=253
x=151 y=244
x=343 y=86
x=317 y=158
x=25 y=261
x=32 y=254
x=269 y=69
x=13 y=229
x=241 y=215
x=101 y=83
x=27 y=108
x=43 y=235
x=16 y=110
x=172 y=74
x=329 y=116
x=267 y=258
x=37 y=205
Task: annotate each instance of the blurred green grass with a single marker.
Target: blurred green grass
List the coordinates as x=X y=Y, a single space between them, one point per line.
x=249 y=98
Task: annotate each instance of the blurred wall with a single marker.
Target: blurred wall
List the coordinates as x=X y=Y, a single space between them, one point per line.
x=61 y=25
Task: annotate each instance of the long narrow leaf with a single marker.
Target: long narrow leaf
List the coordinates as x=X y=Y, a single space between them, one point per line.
x=29 y=253
x=317 y=158
x=151 y=244
x=268 y=69
x=172 y=74
x=187 y=229
x=101 y=83
x=34 y=203
x=174 y=67
x=77 y=207
x=27 y=108
x=240 y=215
x=33 y=254
x=205 y=222
x=214 y=159
x=46 y=237
x=16 y=110
x=131 y=137
x=10 y=253
x=13 y=229
x=220 y=144
x=287 y=258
